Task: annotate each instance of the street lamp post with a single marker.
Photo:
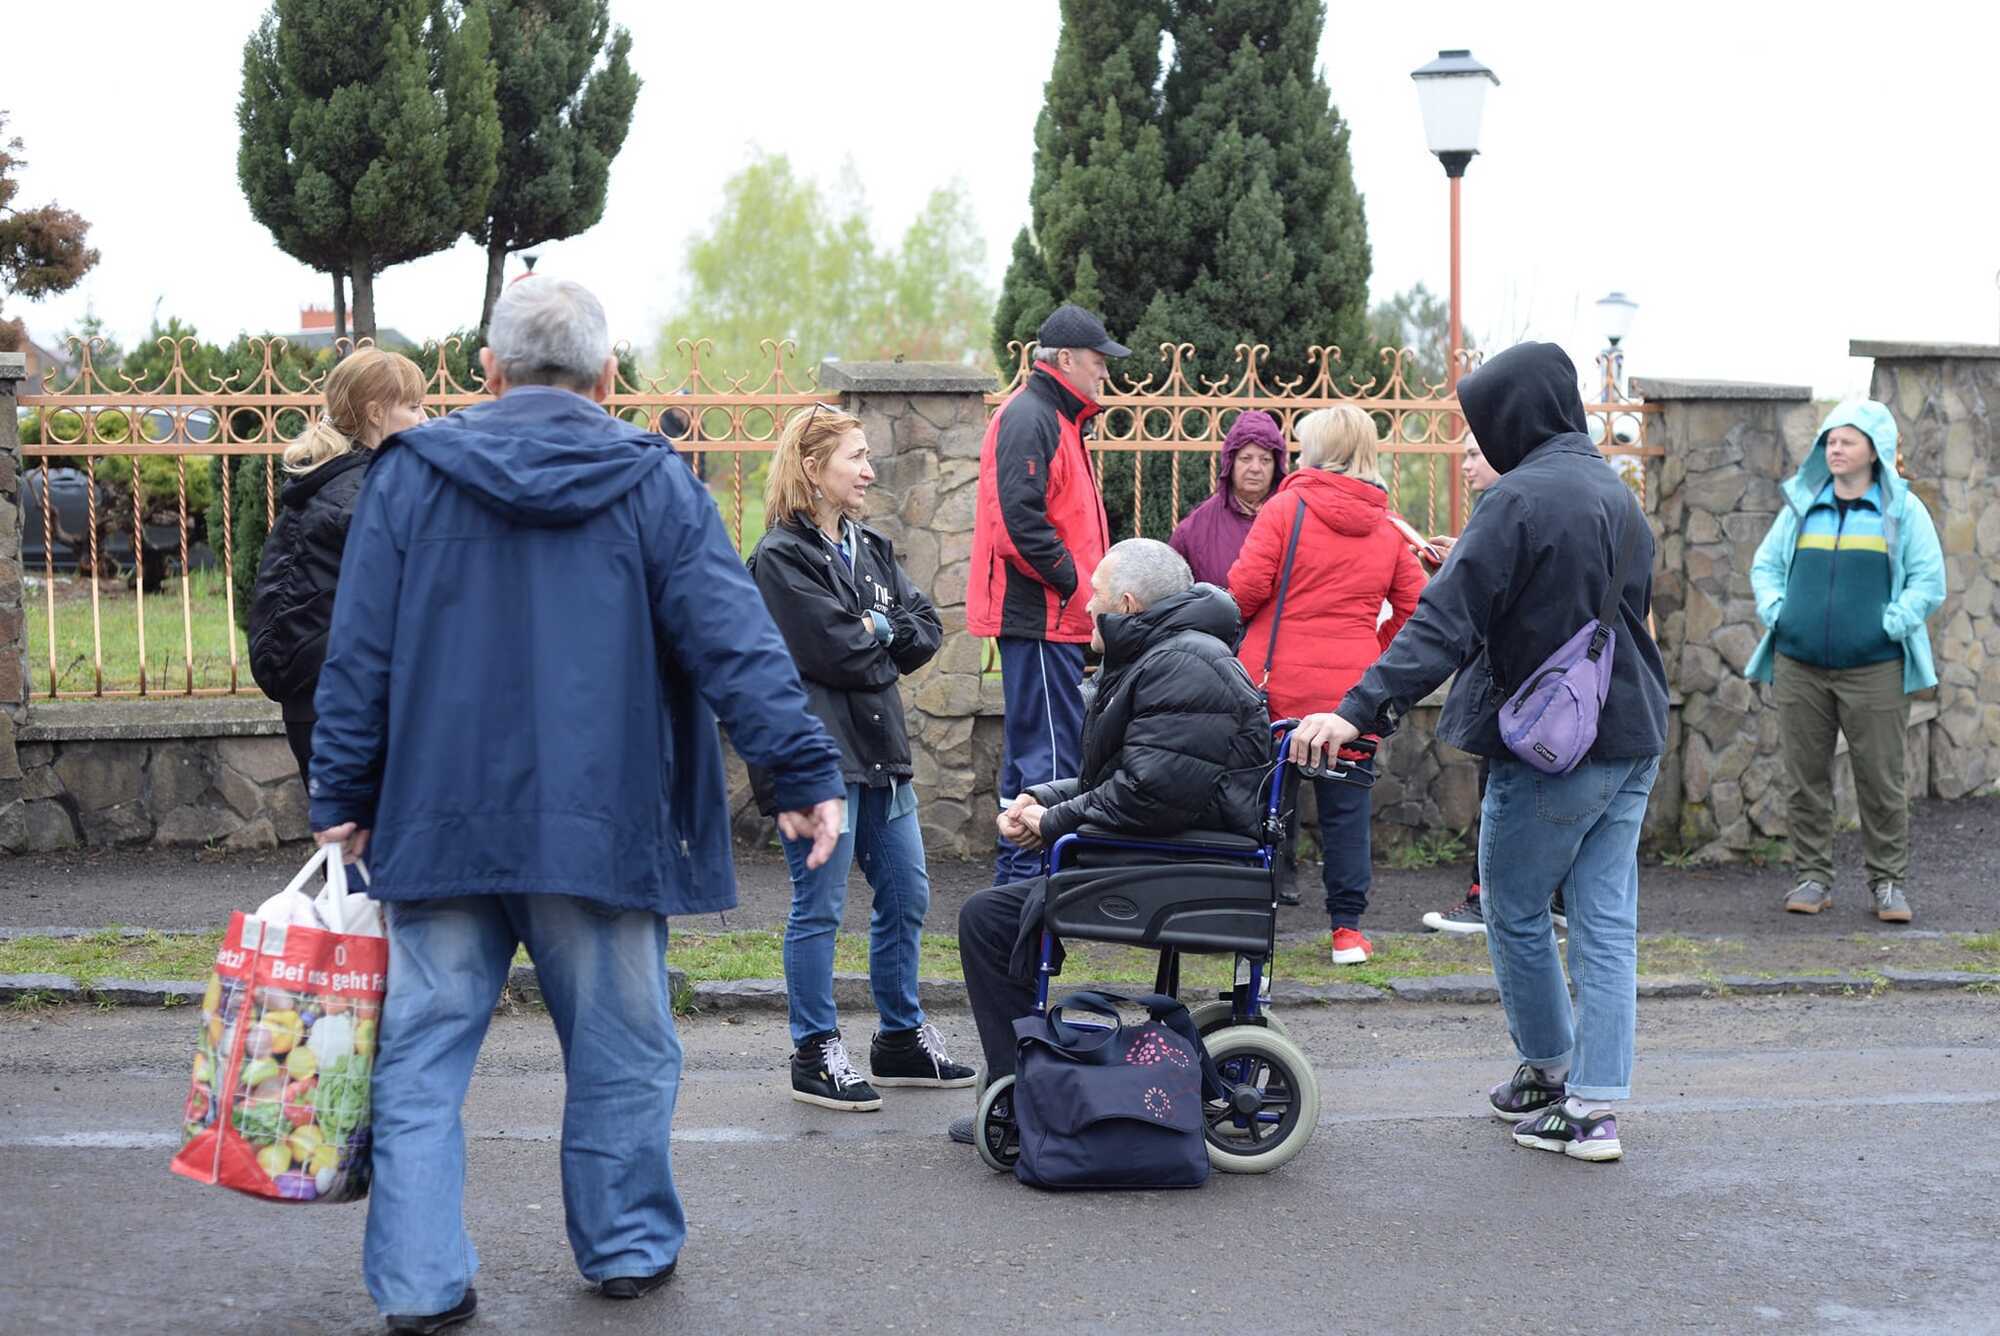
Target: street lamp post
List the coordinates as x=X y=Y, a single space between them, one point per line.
x=1452 y=93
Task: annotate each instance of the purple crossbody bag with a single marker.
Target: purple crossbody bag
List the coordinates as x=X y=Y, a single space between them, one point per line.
x=1551 y=722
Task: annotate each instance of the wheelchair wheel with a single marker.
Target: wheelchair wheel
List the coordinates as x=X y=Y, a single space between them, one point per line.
x=1217 y=1014
x=994 y=1134
x=1277 y=1106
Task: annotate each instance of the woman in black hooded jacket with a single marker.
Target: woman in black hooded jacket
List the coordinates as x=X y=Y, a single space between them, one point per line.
x=854 y=624
x=370 y=395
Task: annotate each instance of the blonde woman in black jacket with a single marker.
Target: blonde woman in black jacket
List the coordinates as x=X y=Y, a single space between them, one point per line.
x=854 y=624
x=370 y=395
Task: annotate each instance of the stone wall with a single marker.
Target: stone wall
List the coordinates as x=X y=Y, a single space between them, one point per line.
x=1946 y=400
x=164 y=773
x=13 y=596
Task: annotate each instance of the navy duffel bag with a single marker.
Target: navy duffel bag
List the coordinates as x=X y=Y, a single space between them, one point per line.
x=1112 y=1106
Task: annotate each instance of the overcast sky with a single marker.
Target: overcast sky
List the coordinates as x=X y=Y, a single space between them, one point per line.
x=1766 y=180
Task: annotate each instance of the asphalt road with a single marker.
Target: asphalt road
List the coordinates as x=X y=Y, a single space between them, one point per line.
x=1956 y=866
x=1793 y=1165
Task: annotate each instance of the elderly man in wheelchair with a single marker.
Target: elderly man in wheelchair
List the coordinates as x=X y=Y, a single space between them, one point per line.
x=1169 y=839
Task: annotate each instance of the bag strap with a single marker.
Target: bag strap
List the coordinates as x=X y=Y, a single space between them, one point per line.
x=1168 y=1011
x=1607 y=612
x=1284 y=583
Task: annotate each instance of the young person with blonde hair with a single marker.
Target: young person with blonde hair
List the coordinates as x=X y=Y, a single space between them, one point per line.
x=854 y=624
x=370 y=395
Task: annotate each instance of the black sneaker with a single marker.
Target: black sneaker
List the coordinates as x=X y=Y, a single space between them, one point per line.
x=1556 y=910
x=1592 y=1137
x=422 y=1324
x=1463 y=918
x=823 y=1074
x=916 y=1058
x=960 y=1130
x=1524 y=1095
x=636 y=1287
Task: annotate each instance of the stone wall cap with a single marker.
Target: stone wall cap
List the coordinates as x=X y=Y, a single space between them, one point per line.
x=1896 y=349
x=13 y=366
x=140 y=720
x=904 y=378
x=1658 y=388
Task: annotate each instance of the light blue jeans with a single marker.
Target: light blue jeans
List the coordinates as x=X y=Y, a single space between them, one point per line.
x=891 y=852
x=1579 y=831
x=603 y=975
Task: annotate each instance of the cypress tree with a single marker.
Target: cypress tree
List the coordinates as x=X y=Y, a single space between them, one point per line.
x=561 y=124
x=370 y=134
x=1214 y=202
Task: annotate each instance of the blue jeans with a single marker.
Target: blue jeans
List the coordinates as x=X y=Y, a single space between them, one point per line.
x=891 y=852
x=603 y=976
x=1345 y=847
x=1579 y=831
x=1042 y=682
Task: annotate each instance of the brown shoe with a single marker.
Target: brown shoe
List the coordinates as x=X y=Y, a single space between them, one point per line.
x=1808 y=897
x=1890 y=906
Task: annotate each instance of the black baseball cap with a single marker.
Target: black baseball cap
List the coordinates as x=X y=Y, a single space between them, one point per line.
x=1070 y=326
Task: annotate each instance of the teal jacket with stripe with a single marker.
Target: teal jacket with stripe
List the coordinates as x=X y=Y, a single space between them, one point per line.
x=1810 y=539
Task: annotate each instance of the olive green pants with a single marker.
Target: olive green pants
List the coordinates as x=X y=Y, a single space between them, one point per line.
x=1868 y=706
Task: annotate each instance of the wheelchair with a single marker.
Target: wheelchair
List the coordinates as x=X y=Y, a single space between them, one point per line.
x=1203 y=893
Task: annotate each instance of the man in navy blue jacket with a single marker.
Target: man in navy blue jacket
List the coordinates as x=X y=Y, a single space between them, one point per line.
x=539 y=621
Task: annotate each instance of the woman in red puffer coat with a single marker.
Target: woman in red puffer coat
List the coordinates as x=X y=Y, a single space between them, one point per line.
x=1351 y=559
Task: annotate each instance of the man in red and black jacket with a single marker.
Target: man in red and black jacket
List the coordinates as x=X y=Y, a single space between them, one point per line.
x=1038 y=534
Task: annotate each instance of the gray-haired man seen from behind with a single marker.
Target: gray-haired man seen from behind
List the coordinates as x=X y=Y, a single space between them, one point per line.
x=1175 y=737
x=539 y=622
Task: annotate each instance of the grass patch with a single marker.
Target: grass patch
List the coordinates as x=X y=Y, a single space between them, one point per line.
x=1428 y=851
x=110 y=954
x=118 y=622
x=1680 y=858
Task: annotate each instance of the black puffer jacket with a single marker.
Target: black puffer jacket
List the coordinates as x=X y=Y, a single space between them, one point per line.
x=1175 y=737
x=293 y=603
x=848 y=670
x=1532 y=567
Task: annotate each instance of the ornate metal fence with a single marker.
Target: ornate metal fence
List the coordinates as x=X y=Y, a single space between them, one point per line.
x=120 y=469
x=1422 y=433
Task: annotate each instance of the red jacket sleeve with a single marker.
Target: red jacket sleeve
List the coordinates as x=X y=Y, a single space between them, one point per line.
x=1253 y=578
x=1406 y=586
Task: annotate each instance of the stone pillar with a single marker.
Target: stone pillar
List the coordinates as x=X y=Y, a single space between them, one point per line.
x=13 y=594
x=925 y=423
x=1946 y=401
x=1729 y=445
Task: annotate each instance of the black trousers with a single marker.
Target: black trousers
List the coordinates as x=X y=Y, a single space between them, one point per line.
x=299 y=733
x=999 y=989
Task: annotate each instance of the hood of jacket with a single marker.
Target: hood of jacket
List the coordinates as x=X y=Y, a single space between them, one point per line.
x=1257 y=429
x=1346 y=505
x=1872 y=420
x=1520 y=400
x=303 y=487
x=1202 y=608
x=538 y=455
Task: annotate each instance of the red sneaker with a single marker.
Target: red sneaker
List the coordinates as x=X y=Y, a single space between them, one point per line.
x=1350 y=947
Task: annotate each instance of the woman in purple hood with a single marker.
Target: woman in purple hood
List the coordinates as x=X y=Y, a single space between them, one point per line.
x=1253 y=459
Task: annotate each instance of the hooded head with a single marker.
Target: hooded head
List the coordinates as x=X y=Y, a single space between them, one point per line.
x=1521 y=399
x=1872 y=420
x=1254 y=430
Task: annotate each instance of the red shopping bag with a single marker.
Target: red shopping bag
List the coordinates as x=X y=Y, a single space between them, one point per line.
x=278 y=1106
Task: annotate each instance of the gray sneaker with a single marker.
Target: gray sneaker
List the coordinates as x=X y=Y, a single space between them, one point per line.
x=1890 y=906
x=1808 y=897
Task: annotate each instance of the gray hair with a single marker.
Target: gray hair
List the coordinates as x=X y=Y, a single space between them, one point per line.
x=1046 y=354
x=549 y=331
x=1148 y=570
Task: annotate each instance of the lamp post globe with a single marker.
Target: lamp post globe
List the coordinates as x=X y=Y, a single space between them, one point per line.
x=1615 y=312
x=1451 y=92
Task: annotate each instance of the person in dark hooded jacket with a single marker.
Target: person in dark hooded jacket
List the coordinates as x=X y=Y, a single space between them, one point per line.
x=1533 y=567
x=1253 y=466
x=540 y=622
x=1175 y=738
x=370 y=394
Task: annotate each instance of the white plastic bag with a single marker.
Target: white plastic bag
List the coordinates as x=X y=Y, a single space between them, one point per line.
x=335 y=908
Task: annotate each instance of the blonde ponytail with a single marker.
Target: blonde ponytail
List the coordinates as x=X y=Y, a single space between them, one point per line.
x=365 y=381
